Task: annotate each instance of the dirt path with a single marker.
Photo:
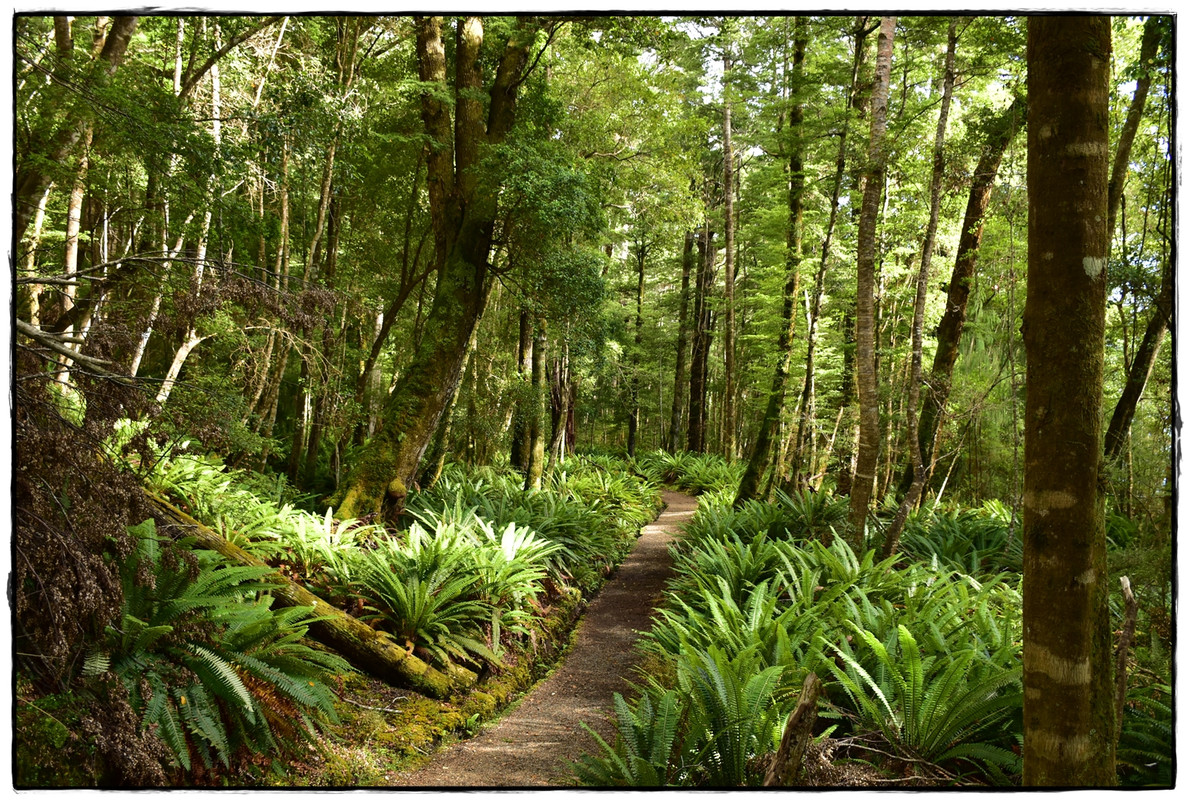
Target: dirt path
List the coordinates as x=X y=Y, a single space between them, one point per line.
x=535 y=744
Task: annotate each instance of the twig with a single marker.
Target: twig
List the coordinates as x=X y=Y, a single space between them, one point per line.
x=1124 y=652
x=346 y=699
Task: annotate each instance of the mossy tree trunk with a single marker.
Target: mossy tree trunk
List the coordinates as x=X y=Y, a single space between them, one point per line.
x=371 y=651
x=463 y=212
x=1068 y=705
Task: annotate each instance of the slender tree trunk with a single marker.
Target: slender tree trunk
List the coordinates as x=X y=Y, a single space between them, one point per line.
x=1144 y=357
x=728 y=423
x=536 y=442
x=521 y=444
x=769 y=426
x=1068 y=705
x=633 y=417
x=1141 y=366
x=948 y=333
x=702 y=338
x=891 y=540
x=868 y=387
x=678 y=393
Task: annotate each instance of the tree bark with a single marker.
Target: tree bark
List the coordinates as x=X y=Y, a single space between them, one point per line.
x=520 y=444
x=785 y=766
x=1068 y=705
x=868 y=387
x=371 y=651
x=768 y=427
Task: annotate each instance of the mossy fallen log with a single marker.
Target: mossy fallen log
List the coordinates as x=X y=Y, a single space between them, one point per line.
x=369 y=650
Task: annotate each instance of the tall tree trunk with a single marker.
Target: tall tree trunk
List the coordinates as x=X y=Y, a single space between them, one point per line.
x=1068 y=707
x=520 y=444
x=1000 y=132
x=1144 y=357
x=868 y=385
x=641 y=255
x=536 y=443
x=702 y=338
x=728 y=423
x=463 y=224
x=679 y=396
x=1141 y=365
x=1134 y=115
x=891 y=540
x=61 y=145
x=769 y=426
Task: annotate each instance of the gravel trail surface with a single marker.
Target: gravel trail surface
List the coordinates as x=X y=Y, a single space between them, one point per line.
x=535 y=743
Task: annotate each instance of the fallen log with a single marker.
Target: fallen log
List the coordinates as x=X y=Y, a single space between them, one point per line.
x=371 y=651
x=785 y=767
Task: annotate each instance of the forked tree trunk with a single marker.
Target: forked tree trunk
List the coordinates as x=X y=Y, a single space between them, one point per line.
x=1068 y=687
x=463 y=223
x=866 y=462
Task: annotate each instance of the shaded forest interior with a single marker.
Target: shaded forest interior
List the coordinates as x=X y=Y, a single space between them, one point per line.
x=355 y=346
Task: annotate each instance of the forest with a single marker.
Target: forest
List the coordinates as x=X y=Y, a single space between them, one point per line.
x=354 y=358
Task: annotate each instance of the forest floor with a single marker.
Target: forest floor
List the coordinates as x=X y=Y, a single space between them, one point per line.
x=535 y=743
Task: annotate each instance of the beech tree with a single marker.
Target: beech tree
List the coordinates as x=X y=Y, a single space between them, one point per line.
x=1068 y=711
x=464 y=210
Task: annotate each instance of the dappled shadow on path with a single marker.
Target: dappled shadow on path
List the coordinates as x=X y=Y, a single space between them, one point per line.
x=535 y=744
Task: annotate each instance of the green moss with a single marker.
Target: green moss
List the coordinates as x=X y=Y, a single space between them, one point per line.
x=47 y=751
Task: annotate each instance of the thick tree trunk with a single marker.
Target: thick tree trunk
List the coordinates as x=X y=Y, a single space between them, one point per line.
x=868 y=386
x=679 y=396
x=1068 y=705
x=371 y=651
x=769 y=426
x=463 y=224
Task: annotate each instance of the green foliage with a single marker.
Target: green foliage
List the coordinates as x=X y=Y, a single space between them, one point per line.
x=1148 y=728
x=206 y=661
x=643 y=751
x=936 y=707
